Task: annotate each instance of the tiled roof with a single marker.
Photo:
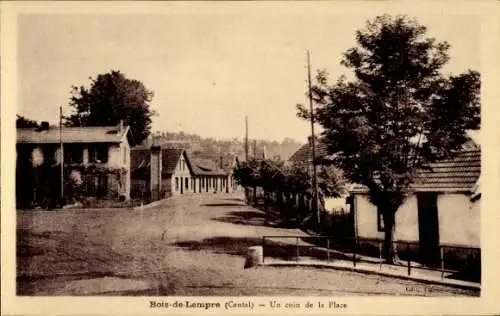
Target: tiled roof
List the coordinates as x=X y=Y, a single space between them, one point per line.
x=140 y=158
x=304 y=153
x=170 y=158
x=457 y=174
x=206 y=167
x=89 y=134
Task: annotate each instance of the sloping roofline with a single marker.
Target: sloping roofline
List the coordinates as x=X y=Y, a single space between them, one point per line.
x=86 y=134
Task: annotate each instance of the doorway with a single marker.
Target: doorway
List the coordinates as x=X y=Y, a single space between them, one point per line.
x=428 y=228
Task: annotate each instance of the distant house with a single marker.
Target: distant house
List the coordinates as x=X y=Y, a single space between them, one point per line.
x=211 y=178
x=304 y=153
x=444 y=207
x=161 y=172
x=96 y=162
x=304 y=156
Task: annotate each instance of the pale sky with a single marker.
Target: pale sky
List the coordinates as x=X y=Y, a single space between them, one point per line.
x=207 y=70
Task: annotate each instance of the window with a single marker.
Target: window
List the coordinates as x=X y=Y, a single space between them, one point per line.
x=49 y=154
x=73 y=154
x=125 y=155
x=176 y=184
x=380 y=221
x=187 y=183
x=98 y=153
x=97 y=185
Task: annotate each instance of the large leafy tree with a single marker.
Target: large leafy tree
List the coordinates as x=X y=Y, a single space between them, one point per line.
x=110 y=98
x=398 y=114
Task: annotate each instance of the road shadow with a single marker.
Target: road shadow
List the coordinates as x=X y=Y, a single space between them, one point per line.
x=223 y=245
x=249 y=218
x=234 y=199
x=238 y=246
x=470 y=275
x=223 y=204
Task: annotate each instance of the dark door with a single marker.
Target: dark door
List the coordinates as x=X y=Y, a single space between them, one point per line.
x=428 y=227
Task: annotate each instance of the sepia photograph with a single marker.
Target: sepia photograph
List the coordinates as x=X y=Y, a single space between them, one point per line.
x=232 y=153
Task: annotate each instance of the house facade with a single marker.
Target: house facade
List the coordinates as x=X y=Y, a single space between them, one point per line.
x=162 y=172
x=96 y=163
x=178 y=175
x=443 y=209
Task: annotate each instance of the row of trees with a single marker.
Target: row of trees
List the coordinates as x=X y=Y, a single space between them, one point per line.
x=288 y=181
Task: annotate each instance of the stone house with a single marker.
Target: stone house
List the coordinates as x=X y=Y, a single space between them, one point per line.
x=96 y=162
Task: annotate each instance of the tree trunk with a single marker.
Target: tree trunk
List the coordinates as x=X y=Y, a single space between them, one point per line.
x=255 y=196
x=266 y=200
x=247 y=196
x=390 y=248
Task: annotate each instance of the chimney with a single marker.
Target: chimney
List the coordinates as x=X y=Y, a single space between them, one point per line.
x=155 y=172
x=121 y=126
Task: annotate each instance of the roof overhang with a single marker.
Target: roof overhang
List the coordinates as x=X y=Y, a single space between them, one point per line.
x=364 y=190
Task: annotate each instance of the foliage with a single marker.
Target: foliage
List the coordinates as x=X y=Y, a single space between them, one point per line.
x=298 y=178
x=214 y=149
x=247 y=174
x=273 y=176
x=96 y=169
x=398 y=114
x=110 y=98
x=331 y=183
x=23 y=122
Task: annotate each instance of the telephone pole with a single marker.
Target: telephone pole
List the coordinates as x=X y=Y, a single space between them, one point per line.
x=313 y=143
x=62 y=154
x=246 y=138
x=247 y=200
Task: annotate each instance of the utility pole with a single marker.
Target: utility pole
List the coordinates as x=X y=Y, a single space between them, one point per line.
x=254 y=149
x=62 y=154
x=246 y=139
x=313 y=142
x=247 y=200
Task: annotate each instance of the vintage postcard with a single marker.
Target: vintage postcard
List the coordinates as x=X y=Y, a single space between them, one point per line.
x=250 y=157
